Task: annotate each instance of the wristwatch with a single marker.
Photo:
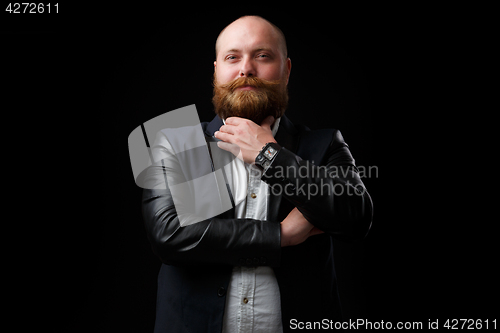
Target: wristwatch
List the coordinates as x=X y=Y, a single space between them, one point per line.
x=267 y=155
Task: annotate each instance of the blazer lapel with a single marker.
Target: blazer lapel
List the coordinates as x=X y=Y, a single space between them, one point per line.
x=287 y=137
x=219 y=159
x=213 y=126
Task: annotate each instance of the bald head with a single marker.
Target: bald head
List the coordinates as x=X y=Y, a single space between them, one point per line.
x=250 y=26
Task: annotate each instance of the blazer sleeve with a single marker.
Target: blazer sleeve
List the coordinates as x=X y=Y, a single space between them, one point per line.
x=331 y=196
x=216 y=240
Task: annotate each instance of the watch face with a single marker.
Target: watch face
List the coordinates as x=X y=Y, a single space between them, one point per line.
x=270 y=152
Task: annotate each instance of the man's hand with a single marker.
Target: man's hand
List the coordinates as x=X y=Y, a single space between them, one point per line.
x=295 y=229
x=244 y=138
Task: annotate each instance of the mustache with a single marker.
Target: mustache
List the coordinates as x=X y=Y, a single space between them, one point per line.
x=249 y=81
x=269 y=98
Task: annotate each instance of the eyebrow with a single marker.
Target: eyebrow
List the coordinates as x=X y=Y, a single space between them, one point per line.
x=255 y=50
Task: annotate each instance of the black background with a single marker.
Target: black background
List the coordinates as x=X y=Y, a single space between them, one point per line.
x=78 y=83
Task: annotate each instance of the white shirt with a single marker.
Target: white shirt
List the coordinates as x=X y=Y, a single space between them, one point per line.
x=253 y=296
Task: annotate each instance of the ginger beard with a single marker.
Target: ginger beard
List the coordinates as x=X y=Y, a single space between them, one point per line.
x=269 y=99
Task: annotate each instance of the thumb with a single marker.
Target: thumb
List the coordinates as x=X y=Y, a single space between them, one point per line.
x=267 y=122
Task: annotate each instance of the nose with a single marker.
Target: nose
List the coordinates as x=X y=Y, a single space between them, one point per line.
x=247 y=68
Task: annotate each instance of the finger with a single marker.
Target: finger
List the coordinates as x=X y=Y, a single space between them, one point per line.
x=267 y=122
x=233 y=120
x=226 y=137
x=315 y=231
x=227 y=129
x=294 y=213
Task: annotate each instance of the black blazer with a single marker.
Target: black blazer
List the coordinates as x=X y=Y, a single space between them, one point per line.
x=198 y=258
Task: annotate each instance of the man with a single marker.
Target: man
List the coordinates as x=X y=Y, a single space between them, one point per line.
x=268 y=260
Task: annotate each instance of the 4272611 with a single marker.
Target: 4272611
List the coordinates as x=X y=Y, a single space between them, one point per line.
x=32 y=8
x=470 y=324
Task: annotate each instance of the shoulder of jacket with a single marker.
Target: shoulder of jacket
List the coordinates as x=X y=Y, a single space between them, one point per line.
x=330 y=134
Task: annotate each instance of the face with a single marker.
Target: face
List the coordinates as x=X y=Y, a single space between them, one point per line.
x=250 y=68
x=250 y=47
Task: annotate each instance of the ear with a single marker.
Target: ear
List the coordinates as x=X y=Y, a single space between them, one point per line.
x=288 y=69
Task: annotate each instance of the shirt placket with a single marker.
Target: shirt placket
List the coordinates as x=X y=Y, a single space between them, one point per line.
x=253 y=191
x=248 y=273
x=247 y=299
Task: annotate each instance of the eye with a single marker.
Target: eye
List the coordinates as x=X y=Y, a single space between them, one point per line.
x=230 y=57
x=263 y=55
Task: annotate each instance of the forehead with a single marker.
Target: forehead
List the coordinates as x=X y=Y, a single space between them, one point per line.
x=247 y=35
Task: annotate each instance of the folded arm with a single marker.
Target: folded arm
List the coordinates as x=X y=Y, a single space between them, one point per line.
x=332 y=197
x=212 y=241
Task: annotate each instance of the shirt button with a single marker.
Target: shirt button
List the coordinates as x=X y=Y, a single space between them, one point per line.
x=245 y=300
x=253 y=195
